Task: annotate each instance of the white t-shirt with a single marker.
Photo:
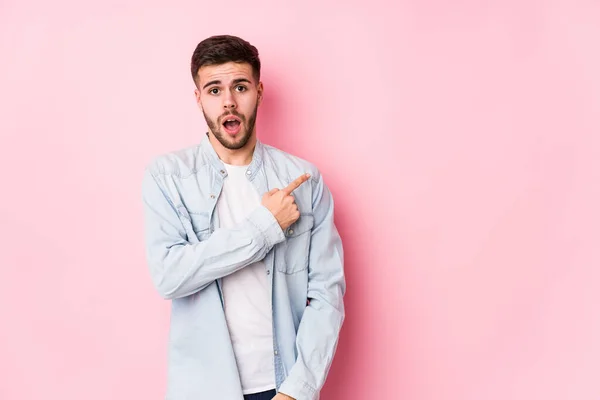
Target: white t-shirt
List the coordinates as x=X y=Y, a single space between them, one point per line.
x=246 y=292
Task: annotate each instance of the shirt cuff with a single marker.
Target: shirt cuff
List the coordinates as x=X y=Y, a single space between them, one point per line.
x=268 y=226
x=298 y=390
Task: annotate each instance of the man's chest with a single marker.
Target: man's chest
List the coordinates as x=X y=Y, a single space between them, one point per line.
x=237 y=200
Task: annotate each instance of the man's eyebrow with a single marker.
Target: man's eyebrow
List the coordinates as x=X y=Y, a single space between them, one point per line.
x=218 y=82
x=240 y=80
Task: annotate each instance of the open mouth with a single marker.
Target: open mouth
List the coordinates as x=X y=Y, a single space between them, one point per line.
x=232 y=125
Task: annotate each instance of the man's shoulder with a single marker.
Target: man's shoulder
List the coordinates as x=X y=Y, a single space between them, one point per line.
x=182 y=162
x=294 y=164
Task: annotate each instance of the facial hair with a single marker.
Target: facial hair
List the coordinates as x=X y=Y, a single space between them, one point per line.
x=215 y=128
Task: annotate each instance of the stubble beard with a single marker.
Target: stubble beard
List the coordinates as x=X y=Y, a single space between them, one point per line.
x=216 y=128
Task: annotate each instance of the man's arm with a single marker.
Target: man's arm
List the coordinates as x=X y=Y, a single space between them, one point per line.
x=180 y=268
x=322 y=320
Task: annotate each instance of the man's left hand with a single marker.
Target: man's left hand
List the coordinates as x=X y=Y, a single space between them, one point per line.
x=281 y=396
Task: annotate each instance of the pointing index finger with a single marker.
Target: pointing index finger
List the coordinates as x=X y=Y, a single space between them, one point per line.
x=295 y=184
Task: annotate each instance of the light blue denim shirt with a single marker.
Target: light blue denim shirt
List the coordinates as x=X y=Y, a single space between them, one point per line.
x=188 y=254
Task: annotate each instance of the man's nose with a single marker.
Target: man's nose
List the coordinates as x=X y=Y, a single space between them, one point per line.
x=229 y=102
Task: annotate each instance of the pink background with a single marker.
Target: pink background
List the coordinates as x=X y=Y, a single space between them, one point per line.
x=461 y=141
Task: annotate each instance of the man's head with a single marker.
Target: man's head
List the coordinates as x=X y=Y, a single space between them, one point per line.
x=226 y=71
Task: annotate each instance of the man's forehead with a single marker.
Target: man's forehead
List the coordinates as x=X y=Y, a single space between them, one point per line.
x=225 y=72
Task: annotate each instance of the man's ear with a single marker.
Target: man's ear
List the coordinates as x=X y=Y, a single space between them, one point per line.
x=197 y=97
x=260 y=90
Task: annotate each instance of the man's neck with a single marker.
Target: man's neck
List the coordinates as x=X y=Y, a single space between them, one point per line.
x=241 y=156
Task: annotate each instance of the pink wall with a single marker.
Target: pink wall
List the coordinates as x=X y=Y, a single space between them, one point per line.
x=461 y=141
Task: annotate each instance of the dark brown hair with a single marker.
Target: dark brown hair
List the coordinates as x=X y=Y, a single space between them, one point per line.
x=222 y=49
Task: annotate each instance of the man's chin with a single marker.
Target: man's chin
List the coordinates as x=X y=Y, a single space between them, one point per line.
x=233 y=143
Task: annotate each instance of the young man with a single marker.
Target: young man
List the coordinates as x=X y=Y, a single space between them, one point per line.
x=241 y=237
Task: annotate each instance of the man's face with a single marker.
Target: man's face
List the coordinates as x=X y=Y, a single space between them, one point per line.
x=228 y=96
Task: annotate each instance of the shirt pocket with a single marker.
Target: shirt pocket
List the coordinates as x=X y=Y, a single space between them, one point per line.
x=297 y=245
x=197 y=225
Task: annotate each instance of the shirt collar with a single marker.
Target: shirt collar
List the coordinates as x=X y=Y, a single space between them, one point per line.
x=209 y=151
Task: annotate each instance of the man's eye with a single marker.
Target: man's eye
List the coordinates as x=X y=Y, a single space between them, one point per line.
x=214 y=91
x=241 y=88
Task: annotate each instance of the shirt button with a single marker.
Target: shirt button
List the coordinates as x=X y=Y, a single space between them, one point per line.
x=222 y=171
x=212 y=196
x=291 y=232
x=276 y=352
x=248 y=172
x=268 y=272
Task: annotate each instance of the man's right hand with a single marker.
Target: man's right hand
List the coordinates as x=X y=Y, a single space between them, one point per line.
x=281 y=202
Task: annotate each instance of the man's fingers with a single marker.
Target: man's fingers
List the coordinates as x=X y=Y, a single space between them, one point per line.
x=295 y=184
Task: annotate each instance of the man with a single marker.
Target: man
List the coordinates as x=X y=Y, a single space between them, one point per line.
x=240 y=236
